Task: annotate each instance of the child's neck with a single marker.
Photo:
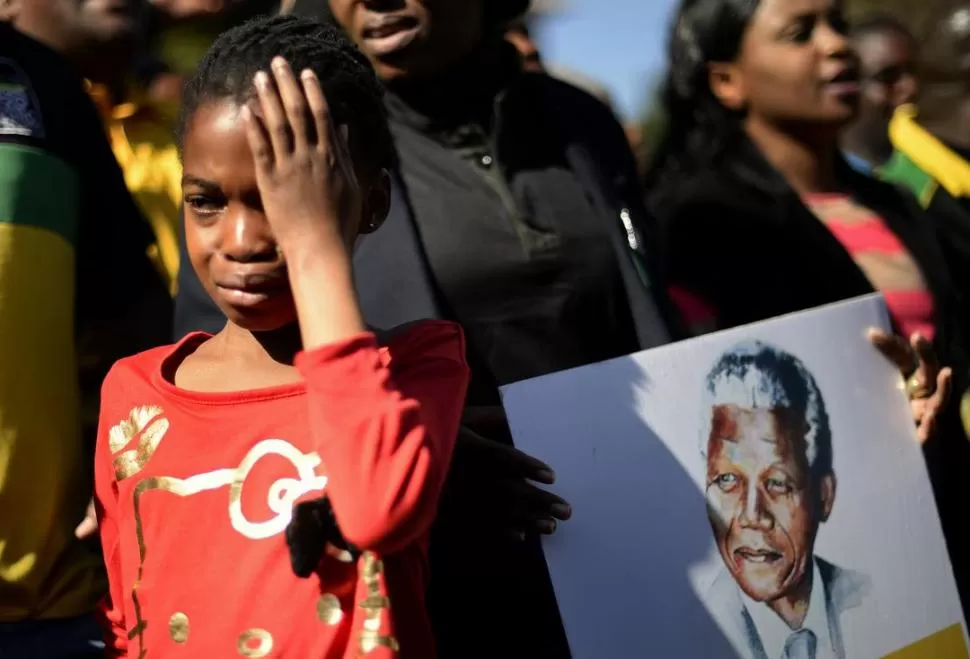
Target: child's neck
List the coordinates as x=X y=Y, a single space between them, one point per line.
x=237 y=359
x=280 y=345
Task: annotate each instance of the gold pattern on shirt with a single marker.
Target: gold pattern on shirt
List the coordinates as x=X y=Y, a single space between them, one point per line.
x=178 y=627
x=281 y=496
x=126 y=429
x=375 y=605
x=328 y=609
x=146 y=421
x=263 y=646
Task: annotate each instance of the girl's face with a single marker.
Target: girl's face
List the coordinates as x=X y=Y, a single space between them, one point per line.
x=229 y=240
x=795 y=66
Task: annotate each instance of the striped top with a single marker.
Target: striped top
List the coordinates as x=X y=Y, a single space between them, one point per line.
x=882 y=257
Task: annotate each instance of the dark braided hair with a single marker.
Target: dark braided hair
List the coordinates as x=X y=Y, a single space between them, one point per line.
x=353 y=92
x=699 y=128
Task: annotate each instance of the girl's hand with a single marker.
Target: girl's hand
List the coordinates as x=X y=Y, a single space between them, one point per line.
x=89 y=525
x=927 y=385
x=306 y=179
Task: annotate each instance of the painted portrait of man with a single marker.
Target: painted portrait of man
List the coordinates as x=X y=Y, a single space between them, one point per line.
x=770 y=486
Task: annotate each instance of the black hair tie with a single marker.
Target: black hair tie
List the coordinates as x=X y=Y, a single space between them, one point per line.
x=311 y=529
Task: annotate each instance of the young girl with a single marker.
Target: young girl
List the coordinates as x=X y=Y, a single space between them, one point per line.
x=207 y=447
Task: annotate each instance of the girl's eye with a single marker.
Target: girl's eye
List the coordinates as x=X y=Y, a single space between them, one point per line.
x=203 y=205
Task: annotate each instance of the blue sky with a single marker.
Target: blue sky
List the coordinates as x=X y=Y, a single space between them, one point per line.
x=620 y=43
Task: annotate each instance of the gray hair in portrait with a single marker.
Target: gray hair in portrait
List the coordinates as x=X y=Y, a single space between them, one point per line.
x=756 y=375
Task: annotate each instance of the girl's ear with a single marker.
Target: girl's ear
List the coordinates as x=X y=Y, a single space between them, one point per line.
x=377 y=203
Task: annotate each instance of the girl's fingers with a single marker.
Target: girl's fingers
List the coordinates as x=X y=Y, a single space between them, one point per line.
x=258 y=138
x=273 y=115
x=319 y=109
x=294 y=104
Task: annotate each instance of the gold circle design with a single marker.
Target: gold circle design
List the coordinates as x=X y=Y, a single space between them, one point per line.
x=246 y=648
x=328 y=609
x=178 y=627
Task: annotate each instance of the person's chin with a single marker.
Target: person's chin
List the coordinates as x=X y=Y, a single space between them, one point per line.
x=269 y=316
x=409 y=63
x=841 y=110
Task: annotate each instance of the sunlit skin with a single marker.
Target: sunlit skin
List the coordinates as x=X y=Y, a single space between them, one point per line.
x=795 y=67
x=229 y=241
x=270 y=233
x=764 y=505
x=413 y=39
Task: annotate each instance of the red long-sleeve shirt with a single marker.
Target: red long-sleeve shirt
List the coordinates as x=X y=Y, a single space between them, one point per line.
x=195 y=490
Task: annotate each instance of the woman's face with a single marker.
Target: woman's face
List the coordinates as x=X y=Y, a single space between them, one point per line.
x=795 y=66
x=408 y=39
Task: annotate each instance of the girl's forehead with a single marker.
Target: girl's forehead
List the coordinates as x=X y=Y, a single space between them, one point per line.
x=215 y=146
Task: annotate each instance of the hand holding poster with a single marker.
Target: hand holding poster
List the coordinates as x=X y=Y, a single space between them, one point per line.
x=756 y=493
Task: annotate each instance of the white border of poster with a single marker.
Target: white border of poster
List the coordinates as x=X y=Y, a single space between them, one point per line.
x=640 y=570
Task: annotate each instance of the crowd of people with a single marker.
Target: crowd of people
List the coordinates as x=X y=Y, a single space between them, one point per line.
x=264 y=266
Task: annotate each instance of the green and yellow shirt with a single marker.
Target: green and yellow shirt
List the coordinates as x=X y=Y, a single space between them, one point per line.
x=73 y=271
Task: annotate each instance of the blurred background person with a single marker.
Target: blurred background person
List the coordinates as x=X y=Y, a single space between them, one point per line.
x=888 y=77
x=761 y=215
x=519 y=36
x=888 y=139
x=139 y=97
x=77 y=292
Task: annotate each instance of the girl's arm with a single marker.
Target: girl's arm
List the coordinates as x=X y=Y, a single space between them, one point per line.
x=385 y=437
x=110 y=613
x=386 y=433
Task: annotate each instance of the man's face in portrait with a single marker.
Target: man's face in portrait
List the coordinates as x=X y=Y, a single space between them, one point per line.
x=764 y=503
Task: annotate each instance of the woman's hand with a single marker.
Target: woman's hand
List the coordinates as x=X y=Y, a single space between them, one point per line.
x=304 y=171
x=927 y=385
x=491 y=486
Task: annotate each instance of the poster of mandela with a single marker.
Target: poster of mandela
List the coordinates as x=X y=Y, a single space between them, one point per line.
x=756 y=493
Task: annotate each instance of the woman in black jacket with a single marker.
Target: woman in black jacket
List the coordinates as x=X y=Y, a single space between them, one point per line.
x=762 y=217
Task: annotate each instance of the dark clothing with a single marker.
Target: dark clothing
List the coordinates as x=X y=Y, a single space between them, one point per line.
x=517 y=249
x=952 y=217
x=77 y=292
x=741 y=239
x=537 y=239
